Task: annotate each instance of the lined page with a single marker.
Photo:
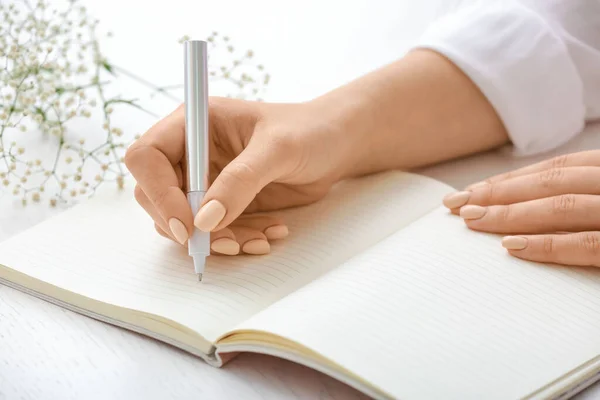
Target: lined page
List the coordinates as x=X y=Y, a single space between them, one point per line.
x=107 y=250
x=438 y=311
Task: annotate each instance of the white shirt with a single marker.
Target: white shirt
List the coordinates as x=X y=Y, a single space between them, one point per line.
x=536 y=61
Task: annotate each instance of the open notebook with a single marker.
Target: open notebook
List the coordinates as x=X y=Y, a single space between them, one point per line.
x=377 y=285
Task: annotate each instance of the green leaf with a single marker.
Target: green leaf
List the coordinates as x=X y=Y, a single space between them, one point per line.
x=123 y=101
x=108 y=67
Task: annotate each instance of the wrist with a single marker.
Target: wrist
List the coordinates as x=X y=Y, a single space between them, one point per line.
x=346 y=117
x=417 y=111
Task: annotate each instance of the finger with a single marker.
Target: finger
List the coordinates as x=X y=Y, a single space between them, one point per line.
x=251 y=241
x=162 y=233
x=578 y=249
x=547 y=183
x=567 y=213
x=157 y=178
x=271 y=226
x=223 y=242
x=589 y=158
x=168 y=136
x=147 y=205
x=239 y=182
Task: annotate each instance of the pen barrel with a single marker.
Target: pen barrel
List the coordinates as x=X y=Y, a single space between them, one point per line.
x=196 y=115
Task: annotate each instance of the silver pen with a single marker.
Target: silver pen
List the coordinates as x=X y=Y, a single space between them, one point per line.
x=196 y=143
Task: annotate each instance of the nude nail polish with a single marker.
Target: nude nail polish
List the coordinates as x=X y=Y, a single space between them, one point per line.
x=276 y=232
x=514 y=242
x=472 y=212
x=225 y=246
x=256 y=246
x=456 y=200
x=209 y=216
x=178 y=230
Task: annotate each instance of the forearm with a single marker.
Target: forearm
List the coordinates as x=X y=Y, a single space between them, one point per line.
x=417 y=111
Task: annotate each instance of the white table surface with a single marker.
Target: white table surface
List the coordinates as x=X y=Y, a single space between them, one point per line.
x=309 y=47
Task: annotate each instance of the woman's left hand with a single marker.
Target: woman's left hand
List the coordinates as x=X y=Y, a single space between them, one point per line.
x=552 y=207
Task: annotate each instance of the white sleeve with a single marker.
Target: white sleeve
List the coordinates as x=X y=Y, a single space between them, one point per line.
x=537 y=62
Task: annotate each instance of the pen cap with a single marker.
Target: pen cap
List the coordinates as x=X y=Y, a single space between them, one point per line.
x=196 y=114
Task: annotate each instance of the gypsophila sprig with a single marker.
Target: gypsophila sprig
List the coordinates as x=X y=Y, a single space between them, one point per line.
x=242 y=77
x=53 y=100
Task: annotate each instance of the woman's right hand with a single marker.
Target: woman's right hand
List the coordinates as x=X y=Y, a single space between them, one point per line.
x=262 y=157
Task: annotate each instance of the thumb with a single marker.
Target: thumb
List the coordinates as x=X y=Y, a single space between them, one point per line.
x=239 y=182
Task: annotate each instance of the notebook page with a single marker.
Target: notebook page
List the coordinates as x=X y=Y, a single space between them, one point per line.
x=108 y=250
x=438 y=311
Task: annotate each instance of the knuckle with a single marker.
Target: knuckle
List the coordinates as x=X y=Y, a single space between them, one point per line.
x=486 y=193
x=550 y=177
x=138 y=194
x=240 y=174
x=285 y=144
x=505 y=213
x=590 y=242
x=548 y=246
x=160 y=198
x=133 y=154
x=558 y=162
x=504 y=177
x=563 y=204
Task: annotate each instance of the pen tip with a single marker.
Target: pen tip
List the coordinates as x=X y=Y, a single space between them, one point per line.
x=199 y=277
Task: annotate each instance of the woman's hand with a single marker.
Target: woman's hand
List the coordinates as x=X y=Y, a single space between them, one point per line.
x=268 y=156
x=262 y=157
x=553 y=207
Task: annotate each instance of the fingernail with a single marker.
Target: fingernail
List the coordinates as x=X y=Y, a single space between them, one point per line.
x=472 y=212
x=256 y=246
x=514 y=242
x=209 y=216
x=276 y=232
x=455 y=200
x=178 y=230
x=225 y=246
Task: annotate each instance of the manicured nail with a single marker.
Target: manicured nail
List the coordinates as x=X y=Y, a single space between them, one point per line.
x=472 y=212
x=178 y=230
x=225 y=246
x=456 y=200
x=256 y=246
x=209 y=216
x=276 y=232
x=514 y=242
